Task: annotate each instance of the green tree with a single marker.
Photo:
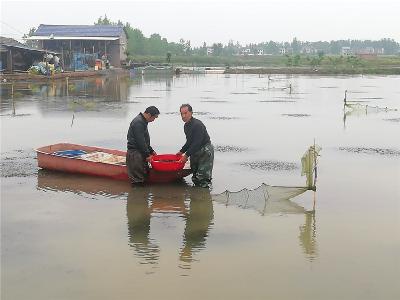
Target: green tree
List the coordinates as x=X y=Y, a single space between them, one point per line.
x=295 y=46
x=136 y=42
x=217 y=49
x=296 y=60
x=103 y=21
x=289 y=60
x=30 y=43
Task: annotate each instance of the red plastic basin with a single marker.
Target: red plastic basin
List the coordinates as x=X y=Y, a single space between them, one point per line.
x=166 y=162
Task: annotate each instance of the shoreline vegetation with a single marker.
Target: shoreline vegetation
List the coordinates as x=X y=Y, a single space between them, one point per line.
x=263 y=64
x=286 y=64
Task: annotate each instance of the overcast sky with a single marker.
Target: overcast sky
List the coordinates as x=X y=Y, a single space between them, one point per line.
x=250 y=21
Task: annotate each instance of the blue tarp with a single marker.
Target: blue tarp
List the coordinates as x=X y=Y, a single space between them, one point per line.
x=69 y=153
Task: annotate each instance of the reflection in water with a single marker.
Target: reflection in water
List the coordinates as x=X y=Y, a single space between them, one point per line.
x=144 y=79
x=268 y=200
x=308 y=235
x=114 y=88
x=88 y=186
x=198 y=222
x=90 y=93
x=194 y=205
x=147 y=202
x=139 y=214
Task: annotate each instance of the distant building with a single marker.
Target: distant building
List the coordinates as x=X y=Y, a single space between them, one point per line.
x=367 y=55
x=260 y=52
x=246 y=51
x=210 y=51
x=84 y=42
x=346 y=51
x=308 y=50
x=282 y=51
x=366 y=50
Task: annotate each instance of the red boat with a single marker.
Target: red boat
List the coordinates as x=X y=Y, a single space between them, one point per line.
x=95 y=161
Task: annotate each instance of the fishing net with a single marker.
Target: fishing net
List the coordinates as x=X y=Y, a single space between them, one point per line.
x=309 y=165
x=268 y=199
x=357 y=107
x=265 y=199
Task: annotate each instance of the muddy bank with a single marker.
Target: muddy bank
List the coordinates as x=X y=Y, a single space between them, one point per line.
x=311 y=71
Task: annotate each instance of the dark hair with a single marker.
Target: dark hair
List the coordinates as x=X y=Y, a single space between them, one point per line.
x=152 y=110
x=189 y=107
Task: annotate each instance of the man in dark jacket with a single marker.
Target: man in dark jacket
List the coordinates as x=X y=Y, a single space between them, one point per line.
x=139 y=150
x=198 y=147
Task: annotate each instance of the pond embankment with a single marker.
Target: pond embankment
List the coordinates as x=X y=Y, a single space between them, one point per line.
x=79 y=74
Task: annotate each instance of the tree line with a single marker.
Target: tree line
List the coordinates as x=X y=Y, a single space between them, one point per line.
x=155 y=45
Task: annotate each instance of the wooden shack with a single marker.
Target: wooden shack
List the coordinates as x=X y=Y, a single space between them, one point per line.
x=15 y=56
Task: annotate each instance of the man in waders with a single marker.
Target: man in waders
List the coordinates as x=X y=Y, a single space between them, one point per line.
x=198 y=147
x=139 y=150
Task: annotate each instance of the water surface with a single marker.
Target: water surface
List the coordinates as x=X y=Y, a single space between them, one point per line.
x=76 y=237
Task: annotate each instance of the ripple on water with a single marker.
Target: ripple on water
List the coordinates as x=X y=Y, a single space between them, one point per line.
x=271 y=165
x=288 y=98
x=18 y=163
x=371 y=150
x=199 y=113
x=278 y=101
x=229 y=148
x=393 y=120
x=224 y=118
x=244 y=93
x=214 y=101
x=146 y=97
x=15 y=115
x=296 y=115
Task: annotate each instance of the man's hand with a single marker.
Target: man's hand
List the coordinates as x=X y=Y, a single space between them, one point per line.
x=179 y=153
x=183 y=159
x=148 y=158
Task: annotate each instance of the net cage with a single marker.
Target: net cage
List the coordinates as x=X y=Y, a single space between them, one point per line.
x=269 y=199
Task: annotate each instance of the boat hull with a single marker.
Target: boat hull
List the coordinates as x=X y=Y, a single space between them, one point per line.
x=49 y=161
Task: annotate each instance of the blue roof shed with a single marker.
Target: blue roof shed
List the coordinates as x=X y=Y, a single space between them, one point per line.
x=85 y=31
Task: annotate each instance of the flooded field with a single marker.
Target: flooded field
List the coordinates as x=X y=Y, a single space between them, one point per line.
x=77 y=237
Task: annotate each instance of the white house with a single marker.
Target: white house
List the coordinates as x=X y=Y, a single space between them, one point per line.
x=346 y=51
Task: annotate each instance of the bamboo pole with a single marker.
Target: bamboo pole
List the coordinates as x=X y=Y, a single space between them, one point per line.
x=12 y=100
x=315 y=167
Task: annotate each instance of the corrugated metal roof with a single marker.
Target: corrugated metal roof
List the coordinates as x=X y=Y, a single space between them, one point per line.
x=91 y=38
x=9 y=42
x=79 y=30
